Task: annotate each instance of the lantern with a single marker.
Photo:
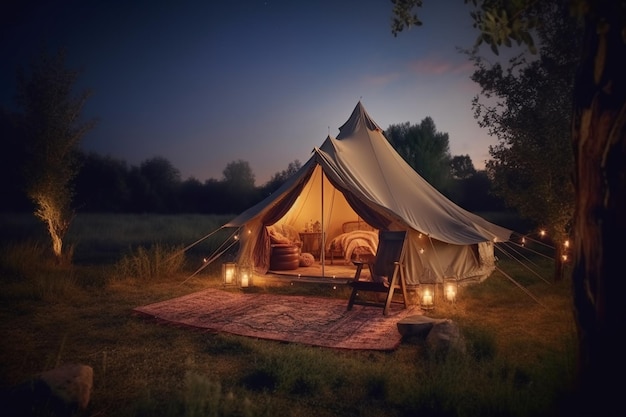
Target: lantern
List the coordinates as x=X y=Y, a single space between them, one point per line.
x=450 y=289
x=229 y=273
x=427 y=296
x=245 y=276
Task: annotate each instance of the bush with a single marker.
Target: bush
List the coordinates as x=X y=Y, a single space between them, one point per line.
x=150 y=264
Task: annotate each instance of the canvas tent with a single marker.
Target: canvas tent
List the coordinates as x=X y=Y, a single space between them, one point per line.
x=358 y=176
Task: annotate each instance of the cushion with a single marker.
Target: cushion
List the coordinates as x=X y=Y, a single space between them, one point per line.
x=306 y=259
x=276 y=237
x=290 y=233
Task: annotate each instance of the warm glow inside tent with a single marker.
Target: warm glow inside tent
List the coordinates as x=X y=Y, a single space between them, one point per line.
x=358 y=177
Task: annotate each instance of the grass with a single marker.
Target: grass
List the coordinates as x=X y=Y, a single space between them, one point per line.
x=519 y=362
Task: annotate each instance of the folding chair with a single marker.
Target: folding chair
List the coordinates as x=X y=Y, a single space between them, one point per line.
x=386 y=270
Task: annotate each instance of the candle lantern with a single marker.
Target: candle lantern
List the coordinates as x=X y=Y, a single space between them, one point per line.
x=245 y=276
x=426 y=290
x=450 y=289
x=229 y=273
x=427 y=296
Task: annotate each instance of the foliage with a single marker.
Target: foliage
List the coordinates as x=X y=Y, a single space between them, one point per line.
x=475 y=193
x=529 y=111
x=424 y=149
x=499 y=22
x=239 y=175
x=51 y=128
x=598 y=138
x=461 y=167
x=280 y=177
x=102 y=184
x=149 y=264
x=154 y=185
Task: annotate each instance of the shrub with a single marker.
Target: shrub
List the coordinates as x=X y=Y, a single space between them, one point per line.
x=150 y=264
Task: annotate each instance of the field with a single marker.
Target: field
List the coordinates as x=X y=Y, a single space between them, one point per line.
x=520 y=359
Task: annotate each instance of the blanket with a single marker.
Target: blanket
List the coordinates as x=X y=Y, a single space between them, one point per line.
x=309 y=320
x=358 y=242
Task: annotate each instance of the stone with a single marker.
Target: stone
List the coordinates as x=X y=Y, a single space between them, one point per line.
x=72 y=383
x=416 y=326
x=445 y=337
x=64 y=392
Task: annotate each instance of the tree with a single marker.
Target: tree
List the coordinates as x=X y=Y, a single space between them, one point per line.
x=424 y=149
x=239 y=175
x=530 y=113
x=280 y=177
x=154 y=186
x=52 y=130
x=102 y=184
x=462 y=167
x=238 y=185
x=598 y=132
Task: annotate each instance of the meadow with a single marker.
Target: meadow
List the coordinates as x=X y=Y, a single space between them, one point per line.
x=520 y=359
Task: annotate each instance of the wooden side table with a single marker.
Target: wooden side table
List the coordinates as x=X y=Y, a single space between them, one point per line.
x=312 y=243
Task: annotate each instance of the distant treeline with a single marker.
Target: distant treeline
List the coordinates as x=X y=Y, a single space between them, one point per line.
x=109 y=185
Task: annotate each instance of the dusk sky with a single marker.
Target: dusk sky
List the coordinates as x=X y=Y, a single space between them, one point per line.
x=204 y=83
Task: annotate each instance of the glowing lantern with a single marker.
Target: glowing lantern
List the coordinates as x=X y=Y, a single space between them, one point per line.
x=245 y=276
x=229 y=273
x=427 y=296
x=450 y=289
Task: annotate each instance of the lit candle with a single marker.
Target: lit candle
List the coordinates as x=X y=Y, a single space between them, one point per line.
x=244 y=280
x=428 y=298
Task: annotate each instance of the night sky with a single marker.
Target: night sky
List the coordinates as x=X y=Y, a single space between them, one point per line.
x=204 y=83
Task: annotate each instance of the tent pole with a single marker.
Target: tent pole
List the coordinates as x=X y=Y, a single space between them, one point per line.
x=323 y=248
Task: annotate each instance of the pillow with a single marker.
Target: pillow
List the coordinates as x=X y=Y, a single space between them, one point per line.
x=306 y=259
x=291 y=233
x=276 y=237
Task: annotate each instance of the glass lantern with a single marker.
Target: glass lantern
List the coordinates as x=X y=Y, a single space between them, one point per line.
x=450 y=289
x=427 y=296
x=245 y=276
x=229 y=273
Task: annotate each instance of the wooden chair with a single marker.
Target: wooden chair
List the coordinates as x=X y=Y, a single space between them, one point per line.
x=386 y=270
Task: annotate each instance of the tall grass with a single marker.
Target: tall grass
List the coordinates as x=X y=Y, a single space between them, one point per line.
x=149 y=264
x=29 y=269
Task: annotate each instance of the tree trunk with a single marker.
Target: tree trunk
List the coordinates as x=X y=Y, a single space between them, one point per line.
x=559 y=269
x=599 y=141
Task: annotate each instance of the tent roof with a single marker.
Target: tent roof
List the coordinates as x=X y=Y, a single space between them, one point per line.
x=361 y=161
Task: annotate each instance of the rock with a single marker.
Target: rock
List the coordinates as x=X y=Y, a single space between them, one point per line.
x=63 y=391
x=416 y=326
x=72 y=383
x=445 y=336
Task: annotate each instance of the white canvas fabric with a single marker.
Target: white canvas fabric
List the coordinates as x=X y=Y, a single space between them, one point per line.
x=360 y=166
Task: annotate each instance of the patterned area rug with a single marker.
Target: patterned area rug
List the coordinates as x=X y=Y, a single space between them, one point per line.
x=298 y=319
